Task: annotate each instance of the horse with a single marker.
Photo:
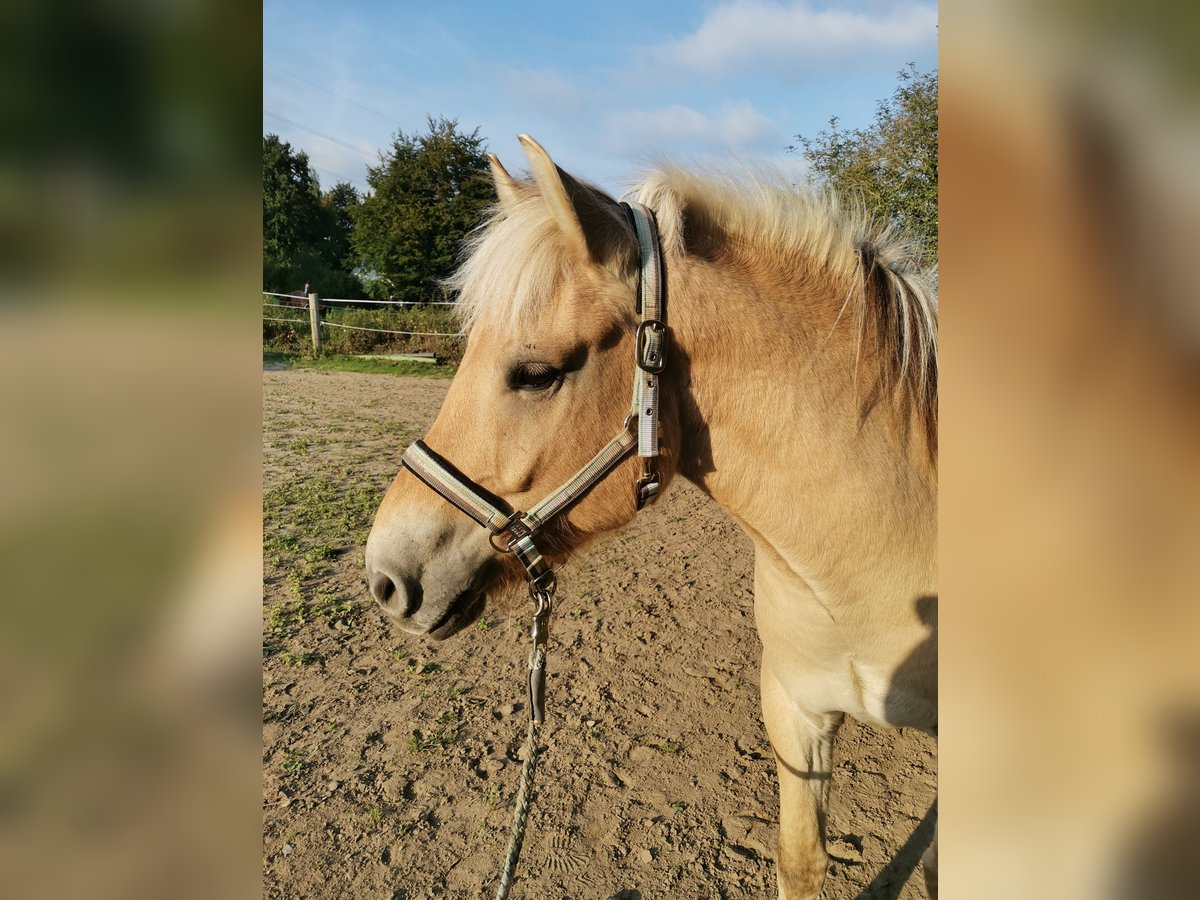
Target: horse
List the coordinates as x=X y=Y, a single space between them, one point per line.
x=799 y=390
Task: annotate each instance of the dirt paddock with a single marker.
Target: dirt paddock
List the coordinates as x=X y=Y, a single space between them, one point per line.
x=390 y=764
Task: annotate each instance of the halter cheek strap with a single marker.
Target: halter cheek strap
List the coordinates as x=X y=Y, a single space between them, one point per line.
x=650 y=350
x=513 y=530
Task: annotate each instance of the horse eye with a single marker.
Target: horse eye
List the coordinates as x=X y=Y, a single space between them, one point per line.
x=533 y=377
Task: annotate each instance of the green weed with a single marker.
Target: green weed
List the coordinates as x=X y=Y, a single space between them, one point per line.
x=294 y=762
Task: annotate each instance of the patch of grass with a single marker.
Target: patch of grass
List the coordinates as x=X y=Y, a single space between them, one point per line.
x=370 y=366
x=668 y=747
x=282 y=621
x=444 y=735
x=438 y=738
x=294 y=762
x=309 y=521
x=332 y=610
x=483 y=624
x=295 y=583
x=300 y=659
x=319 y=553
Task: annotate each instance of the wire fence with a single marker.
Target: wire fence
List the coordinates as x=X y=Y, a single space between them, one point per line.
x=400 y=303
x=409 y=333
x=403 y=304
x=343 y=326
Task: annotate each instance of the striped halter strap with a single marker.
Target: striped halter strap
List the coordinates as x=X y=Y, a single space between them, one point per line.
x=513 y=530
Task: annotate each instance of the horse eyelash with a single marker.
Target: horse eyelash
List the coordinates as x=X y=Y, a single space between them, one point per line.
x=534 y=377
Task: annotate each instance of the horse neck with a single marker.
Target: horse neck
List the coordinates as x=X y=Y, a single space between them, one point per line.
x=770 y=423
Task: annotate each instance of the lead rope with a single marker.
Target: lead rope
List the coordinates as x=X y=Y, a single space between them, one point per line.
x=524 y=796
x=544 y=600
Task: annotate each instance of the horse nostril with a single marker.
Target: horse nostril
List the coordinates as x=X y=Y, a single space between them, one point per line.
x=382 y=587
x=414 y=594
x=400 y=597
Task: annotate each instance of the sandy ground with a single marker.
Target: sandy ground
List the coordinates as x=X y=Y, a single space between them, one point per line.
x=390 y=764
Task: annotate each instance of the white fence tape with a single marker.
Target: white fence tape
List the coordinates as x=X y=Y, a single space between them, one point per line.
x=381 y=302
x=386 y=331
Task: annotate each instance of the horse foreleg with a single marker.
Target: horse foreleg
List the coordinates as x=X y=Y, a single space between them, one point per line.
x=803 y=745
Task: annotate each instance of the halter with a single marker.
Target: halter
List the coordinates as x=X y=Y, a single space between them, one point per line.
x=513 y=530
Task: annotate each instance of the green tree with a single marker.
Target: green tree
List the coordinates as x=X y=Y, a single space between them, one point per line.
x=337 y=206
x=292 y=217
x=428 y=191
x=892 y=165
x=306 y=235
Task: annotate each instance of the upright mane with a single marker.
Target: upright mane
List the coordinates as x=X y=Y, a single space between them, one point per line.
x=514 y=260
x=889 y=301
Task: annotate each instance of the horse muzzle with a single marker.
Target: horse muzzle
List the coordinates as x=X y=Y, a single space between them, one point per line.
x=430 y=588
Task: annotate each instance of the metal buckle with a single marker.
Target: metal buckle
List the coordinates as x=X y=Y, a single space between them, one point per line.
x=646 y=361
x=647 y=489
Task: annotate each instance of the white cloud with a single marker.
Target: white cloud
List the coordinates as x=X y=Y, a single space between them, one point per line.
x=745 y=34
x=736 y=126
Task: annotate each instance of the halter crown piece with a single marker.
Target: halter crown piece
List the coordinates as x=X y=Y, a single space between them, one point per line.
x=513 y=530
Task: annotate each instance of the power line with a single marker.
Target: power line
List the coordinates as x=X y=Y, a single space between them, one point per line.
x=338 y=176
x=328 y=137
x=335 y=93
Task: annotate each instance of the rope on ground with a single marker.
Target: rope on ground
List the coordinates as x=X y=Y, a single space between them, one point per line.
x=386 y=331
x=524 y=797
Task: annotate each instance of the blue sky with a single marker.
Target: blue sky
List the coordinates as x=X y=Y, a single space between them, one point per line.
x=605 y=87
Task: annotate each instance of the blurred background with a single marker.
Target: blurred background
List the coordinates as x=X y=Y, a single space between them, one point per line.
x=1070 y=477
x=129 y=396
x=130 y=196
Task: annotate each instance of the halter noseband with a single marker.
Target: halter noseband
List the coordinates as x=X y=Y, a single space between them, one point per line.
x=493 y=513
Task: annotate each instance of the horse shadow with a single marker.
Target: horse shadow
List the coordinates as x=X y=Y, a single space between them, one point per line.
x=1160 y=861
x=911 y=679
x=891 y=879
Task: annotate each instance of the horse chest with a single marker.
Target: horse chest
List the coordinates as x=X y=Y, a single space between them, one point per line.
x=823 y=662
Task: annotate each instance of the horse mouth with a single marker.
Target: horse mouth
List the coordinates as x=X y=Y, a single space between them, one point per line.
x=462 y=611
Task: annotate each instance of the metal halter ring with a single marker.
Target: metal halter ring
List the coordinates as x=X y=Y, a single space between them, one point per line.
x=511 y=527
x=542 y=589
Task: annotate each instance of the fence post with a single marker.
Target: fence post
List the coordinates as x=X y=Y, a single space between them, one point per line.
x=314 y=320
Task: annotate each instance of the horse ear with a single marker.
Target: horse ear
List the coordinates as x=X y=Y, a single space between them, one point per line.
x=506 y=185
x=553 y=183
